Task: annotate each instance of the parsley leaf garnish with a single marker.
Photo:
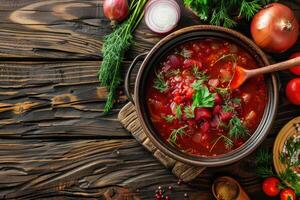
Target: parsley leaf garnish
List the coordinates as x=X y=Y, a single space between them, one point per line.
x=160 y=83
x=203 y=98
x=169 y=118
x=198 y=85
x=189 y=112
x=175 y=133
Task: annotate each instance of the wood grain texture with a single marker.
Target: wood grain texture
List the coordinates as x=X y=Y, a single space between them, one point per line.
x=55 y=99
x=90 y=169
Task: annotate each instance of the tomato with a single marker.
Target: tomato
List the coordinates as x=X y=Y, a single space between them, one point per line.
x=287 y=194
x=295 y=70
x=293 y=91
x=270 y=186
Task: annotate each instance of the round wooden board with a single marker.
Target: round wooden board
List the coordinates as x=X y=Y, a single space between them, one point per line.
x=287 y=131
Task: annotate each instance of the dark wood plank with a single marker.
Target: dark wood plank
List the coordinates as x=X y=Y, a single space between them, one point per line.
x=91 y=169
x=55 y=99
x=67 y=29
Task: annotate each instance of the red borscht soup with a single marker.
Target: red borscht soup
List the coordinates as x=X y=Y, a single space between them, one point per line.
x=190 y=103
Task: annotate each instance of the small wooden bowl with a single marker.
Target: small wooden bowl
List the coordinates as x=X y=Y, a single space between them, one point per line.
x=287 y=131
x=241 y=194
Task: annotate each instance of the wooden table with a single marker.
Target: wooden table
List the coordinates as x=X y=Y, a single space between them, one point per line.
x=55 y=143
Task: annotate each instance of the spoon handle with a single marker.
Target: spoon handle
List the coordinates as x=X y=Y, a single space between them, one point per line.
x=275 y=67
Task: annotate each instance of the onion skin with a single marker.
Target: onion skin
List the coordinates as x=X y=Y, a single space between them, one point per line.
x=275 y=28
x=115 y=10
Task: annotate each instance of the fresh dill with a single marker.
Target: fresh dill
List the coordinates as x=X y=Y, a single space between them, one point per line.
x=113 y=50
x=264 y=162
x=219 y=12
x=175 y=133
x=189 y=112
x=173 y=72
x=186 y=53
x=169 y=118
x=227 y=141
x=237 y=129
x=160 y=84
x=178 y=111
x=200 y=75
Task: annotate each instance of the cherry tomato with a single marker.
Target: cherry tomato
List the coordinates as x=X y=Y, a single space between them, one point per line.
x=293 y=91
x=295 y=70
x=270 y=186
x=287 y=194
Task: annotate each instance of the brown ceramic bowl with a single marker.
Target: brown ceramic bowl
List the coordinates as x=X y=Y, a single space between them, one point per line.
x=153 y=58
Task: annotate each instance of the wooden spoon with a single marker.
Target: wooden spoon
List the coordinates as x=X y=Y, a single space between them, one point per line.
x=241 y=74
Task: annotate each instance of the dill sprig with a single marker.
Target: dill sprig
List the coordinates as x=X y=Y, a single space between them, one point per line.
x=237 y=129
x=114 y=47
x=160 y=83
x=175 y=133
x=264 y=162
x=224 y=12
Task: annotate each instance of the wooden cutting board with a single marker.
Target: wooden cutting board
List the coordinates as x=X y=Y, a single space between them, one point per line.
x=130 y=121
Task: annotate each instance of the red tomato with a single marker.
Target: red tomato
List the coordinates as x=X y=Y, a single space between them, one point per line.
x=295 y=70
x=270 y=186
x=287 y=194
x=293 y=91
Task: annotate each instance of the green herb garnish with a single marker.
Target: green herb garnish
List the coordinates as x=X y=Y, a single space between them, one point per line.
x=113 y=49
x=203 y=98
x=227 y=141
x=169 y=118
x=186 y=53
x=160 y=83
x=237 y=129
x=222 y=91
x=173 y=72
x=178 y=112
x=200 y=75
x=189 y=112
x=219 y=12
x=264 y=162
x=198 y=85
x=175 y=133
x=236 y=100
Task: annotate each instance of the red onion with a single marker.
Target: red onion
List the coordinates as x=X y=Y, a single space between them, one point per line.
x=162 y=16
x=115 y=10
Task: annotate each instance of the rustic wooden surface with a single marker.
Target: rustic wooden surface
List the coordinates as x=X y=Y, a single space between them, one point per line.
x=54 y=141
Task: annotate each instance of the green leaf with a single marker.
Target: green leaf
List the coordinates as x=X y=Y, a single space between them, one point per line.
x=189 y=112
x=169 y=118
x=160 y=83
x=178 y=112
x=203 y=98
x=198 y=85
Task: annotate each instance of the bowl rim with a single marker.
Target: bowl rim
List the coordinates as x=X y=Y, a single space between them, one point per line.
x=237 y=154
